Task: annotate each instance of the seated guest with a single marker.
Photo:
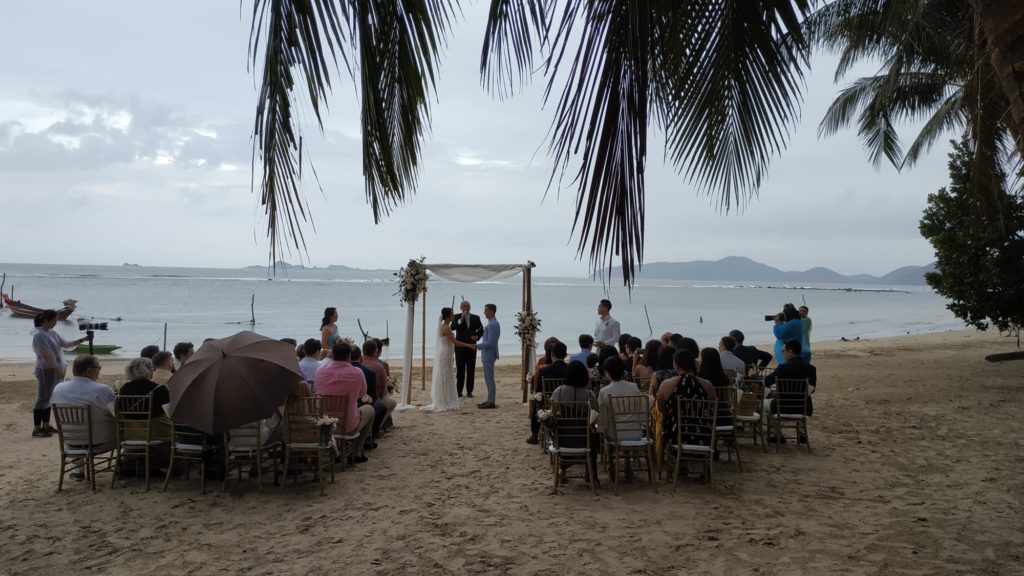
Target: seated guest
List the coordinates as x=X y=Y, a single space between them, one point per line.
x=632 y=353
x=576 y=389
x=586 y=347
x=380 y=411
x=614 y=370
x=182 y=352
x=793 y=368
x=371 y=359
x=666 y=339
x=731 y=361
x=676 y=341
x=554 y=370
x=163 y=367
x=310 y=362
x=690 y=345
x=149 y=351
x=621 y=344
x=593 y=367
x=749 y=354
x=139 y=372
x=686 y=384
x=648 y=361
x=341 y=378
x=542 y=361
x=664 y=369
x=84 y=389
x=604 y=353
x=711 y=370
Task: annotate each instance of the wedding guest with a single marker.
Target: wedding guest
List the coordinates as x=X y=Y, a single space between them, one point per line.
x=150 y=351
x=710 y=369
x=793 y=368
x=621 y=344
x=341 y=378
x=731 y=361
x=380 y=411
x=84 y=388
x=632 y=353
x=594 y=366
x=553 y=371
x=749 y=354
x=604 y=353
x=576 y=389
x=163 y=367
x=328 y=330
x=541 y=362
x=50 y=368
x=182 y=352
x=371 y=359
x=664 y=369
x=648 y=360
x=690 y=345
x=607 y=328
x=139 y=373
x=614 y=370
x=311 y=362
x=666 y=339
x=586 y=347
x=686 y=384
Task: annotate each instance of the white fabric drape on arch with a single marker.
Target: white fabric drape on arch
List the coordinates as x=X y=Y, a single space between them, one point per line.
x=467 y=273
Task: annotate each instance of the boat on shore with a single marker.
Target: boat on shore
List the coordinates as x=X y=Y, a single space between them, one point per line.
x=19 y=308
x=96 y=349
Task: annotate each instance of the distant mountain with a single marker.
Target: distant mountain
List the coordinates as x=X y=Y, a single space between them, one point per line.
x=740 y=269
x=282 y=265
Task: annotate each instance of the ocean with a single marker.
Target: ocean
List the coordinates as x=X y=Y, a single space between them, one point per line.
x=192 y=304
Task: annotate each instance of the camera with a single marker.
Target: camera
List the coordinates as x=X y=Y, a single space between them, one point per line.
x=770 y=317
x=86 y=325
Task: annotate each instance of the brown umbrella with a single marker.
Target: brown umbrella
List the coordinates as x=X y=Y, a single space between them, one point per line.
x=233 y=381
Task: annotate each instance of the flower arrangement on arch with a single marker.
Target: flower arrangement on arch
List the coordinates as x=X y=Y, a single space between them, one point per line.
x=412 y=280
x=527 y=327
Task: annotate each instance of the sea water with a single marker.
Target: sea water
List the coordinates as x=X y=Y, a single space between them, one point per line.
x=191 y=304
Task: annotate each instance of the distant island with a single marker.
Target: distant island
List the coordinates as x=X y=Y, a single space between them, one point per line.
x=740 y=269
x=282 y=265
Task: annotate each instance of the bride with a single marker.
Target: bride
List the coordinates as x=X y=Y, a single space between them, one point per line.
x=442 y=386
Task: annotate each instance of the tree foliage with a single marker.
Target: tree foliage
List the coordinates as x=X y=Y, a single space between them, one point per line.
x=980 y=260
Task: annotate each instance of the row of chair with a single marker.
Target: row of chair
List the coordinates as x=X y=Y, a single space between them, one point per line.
x=139 y=436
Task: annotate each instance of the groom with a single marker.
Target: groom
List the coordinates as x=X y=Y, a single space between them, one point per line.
x=488 y=347
x=468 y=329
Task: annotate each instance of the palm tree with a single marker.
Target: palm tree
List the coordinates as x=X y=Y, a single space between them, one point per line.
x=934 y=67
x=716 y=76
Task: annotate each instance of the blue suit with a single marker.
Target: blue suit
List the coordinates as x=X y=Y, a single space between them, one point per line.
x=488 y=348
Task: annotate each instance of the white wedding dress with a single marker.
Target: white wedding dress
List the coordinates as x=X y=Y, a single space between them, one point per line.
x=442 y=385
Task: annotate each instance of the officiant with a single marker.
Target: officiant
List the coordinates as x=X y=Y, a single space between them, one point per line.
x=468 y=328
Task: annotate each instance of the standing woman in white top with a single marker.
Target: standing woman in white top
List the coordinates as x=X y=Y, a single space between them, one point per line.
x=50 y=368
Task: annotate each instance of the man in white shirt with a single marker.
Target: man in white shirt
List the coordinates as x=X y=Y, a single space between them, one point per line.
x=83 y=389
x=614 y=370
x=607 y=331
x=731 y=361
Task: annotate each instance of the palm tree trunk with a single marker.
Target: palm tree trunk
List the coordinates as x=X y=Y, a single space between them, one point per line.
x=1003 y=22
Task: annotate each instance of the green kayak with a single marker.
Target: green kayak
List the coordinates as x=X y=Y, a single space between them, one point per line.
x=96 y=349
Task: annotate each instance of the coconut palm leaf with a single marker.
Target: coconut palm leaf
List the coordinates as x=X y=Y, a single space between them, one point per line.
x=390 y=48
x=715 y=75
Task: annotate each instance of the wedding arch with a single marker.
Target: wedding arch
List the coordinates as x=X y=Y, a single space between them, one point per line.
x=413 y=287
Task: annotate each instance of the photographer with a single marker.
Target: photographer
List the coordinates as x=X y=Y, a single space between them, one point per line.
x=787 y=327
x=48 y=346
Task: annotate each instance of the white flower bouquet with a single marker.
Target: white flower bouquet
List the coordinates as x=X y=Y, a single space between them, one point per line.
x=527 y=327
x=412 y=280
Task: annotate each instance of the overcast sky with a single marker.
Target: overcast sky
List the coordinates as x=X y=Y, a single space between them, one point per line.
x=125 y=137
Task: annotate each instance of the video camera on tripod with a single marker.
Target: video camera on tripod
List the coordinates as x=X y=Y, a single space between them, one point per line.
x=89 y=327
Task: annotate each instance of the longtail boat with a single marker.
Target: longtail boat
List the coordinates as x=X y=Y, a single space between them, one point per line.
x=20 y=309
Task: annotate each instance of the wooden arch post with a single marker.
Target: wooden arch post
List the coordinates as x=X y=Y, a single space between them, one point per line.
x=527 y=307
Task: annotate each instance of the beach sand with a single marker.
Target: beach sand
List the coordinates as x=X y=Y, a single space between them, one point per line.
x=916 y=469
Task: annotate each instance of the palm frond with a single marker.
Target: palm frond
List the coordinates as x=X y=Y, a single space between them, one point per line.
x=506 y=60
x=293 y=32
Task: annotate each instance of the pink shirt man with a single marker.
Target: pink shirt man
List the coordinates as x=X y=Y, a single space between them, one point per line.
x=340 y=378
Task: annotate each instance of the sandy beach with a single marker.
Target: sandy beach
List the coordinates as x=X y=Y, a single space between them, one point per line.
x=915 y=469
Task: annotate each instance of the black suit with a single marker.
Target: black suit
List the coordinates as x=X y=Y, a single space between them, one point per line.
x=465 y=358
x=795 y=369
x=751 y=355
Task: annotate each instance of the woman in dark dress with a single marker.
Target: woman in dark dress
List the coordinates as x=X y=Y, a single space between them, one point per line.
x=685 y=385
x=712 y=371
